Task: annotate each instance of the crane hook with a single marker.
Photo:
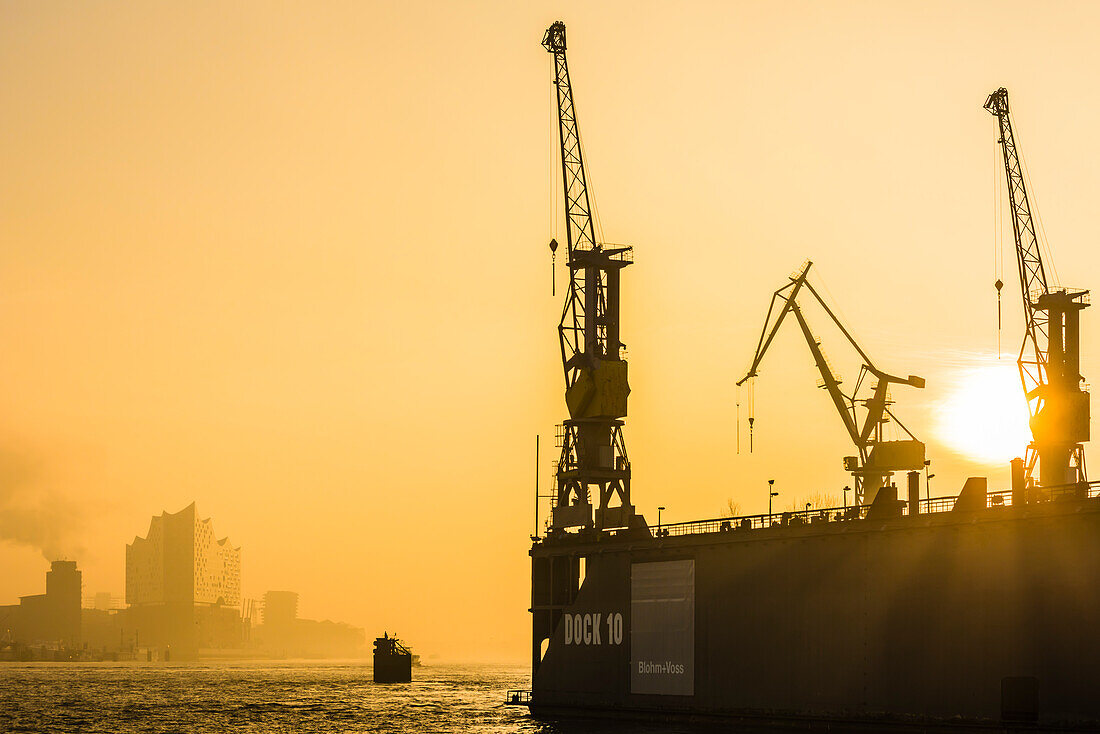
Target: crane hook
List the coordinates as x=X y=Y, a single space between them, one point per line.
x=553 y=259
x=752 y=409
x=737 y=417
x=998 y=285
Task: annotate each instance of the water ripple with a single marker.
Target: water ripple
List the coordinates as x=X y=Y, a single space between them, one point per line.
x=259 y=697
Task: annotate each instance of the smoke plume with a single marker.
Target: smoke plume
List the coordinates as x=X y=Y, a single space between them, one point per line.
x=33 y=513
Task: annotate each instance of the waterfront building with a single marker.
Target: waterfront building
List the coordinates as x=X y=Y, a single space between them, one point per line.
x=179 y=560
x=183 y=586
x=284 y=634
x=51 y=618
x=280 y=608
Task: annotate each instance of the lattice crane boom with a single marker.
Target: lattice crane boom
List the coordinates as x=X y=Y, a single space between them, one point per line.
x=1029 y=258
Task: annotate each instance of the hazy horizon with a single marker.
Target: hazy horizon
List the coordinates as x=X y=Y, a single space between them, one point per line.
x=291 y=263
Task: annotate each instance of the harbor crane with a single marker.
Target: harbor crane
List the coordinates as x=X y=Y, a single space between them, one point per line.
x=1050 y=355
x=877 y=458
x=593 y=452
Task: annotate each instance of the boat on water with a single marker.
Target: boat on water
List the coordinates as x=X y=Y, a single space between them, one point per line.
x=392 y=660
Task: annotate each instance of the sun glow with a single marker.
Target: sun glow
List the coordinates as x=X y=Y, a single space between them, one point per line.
x=985 y=417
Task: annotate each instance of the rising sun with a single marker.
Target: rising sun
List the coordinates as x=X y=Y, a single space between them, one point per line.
x=985 y=417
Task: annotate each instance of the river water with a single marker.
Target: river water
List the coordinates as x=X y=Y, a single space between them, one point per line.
x=264 y=697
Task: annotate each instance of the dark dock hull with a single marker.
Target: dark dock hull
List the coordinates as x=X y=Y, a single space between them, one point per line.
x=957 y=619
x=392 y=668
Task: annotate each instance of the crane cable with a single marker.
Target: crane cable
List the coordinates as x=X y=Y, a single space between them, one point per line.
x=1044 y=242
x=594 y=214
x=834 y=305
x=737 y=417
x=998 y=234
x=552 y=187
x=1033 y=198
x=550 y=138
x=752 y=408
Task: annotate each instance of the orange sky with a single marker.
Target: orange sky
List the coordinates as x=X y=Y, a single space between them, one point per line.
x=289 y=261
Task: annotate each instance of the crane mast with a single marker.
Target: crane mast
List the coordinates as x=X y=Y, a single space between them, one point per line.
x=593 y=452
x=877 y=459
x=1050 y=358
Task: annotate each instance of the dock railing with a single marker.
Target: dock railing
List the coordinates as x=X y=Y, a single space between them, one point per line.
x=934 y=505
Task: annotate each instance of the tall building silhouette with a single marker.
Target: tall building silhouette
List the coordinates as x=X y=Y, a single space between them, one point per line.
x=183 y=586
x=284 y=634
x=280 y=608
x=179 y=560
x=53 y=617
